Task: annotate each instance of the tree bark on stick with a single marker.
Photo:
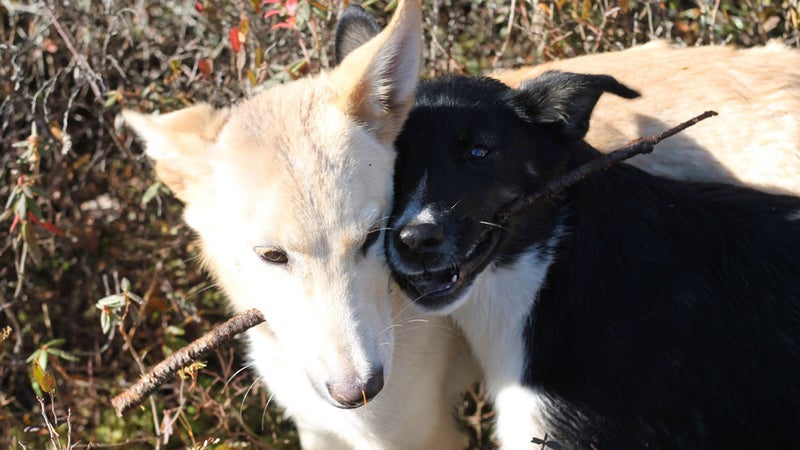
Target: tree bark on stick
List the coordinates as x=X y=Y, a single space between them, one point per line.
x=636 y=147
x=158 y=375
x=150 y=382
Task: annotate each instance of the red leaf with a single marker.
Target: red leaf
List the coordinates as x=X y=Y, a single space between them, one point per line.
x=46 y=225
x=271 y=13
x=235 y=43
x=285 y=25
x=14 y=223
x=198 y=6
x=291 y=7
x=206 y=67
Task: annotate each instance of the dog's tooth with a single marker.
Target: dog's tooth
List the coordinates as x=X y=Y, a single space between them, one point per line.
x=455 y=278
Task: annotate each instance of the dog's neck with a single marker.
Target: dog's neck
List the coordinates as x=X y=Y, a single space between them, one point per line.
x=494 y=319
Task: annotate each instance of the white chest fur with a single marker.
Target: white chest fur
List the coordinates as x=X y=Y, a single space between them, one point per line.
x=493 y=320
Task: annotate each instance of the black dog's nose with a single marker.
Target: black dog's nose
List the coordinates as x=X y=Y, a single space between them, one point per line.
x=353 y=395
x=422 y=236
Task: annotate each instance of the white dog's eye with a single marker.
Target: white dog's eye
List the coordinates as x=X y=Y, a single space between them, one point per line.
x=372 y=236
x=478 y=152
x=272 y=255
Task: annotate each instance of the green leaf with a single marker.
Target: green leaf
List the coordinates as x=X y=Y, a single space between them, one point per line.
x=38 y=191
x=175 y=331
x=41 y=359
x=62 y=354
x=112 y=301
x=34 y=208
x=105 y=322
x=29 y=237
x=21 y=208
x=12 y=197
x=45 y=380
x=135 y=298
x=125 y=285
x=151 y=193
x=33 y=356
x=303 y=13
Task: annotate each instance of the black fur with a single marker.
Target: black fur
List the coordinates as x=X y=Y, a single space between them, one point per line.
x=670 y=317
x=354 y=28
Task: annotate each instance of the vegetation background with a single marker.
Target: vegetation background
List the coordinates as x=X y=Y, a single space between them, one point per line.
x=98 y=278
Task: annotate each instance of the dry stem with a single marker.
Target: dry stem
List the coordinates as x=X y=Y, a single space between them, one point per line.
x=636 y=147
x=135 y=395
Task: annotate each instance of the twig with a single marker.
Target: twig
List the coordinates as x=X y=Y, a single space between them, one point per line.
x=636 y=147
x=78 y=56
x=55 y=439
x=135 y=395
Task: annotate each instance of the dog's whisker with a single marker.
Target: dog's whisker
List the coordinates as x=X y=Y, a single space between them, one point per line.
x=203 y=289
x=408 y=304
x=264 y=412
x=492 y=224
x=412 y=320
x=456 y=204
x=230 y=378
x=446 y=329
x=246 y=393
x=418 y=321
x=192 y=258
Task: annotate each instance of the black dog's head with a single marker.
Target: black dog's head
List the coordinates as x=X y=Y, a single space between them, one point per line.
x=470 y=146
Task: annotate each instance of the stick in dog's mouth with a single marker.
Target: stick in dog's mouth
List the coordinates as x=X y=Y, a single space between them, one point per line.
x=436 y=289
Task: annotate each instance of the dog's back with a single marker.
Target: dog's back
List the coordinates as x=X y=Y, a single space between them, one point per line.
x=630 y=311
x=671 y=317
x=756 y=139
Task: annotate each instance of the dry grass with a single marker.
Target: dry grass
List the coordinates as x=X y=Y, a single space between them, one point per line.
x=82 y=210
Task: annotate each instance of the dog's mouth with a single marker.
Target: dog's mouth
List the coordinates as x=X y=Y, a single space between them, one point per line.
x=436 y=288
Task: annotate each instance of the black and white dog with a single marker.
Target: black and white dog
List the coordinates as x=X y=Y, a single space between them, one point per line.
x=630 y=311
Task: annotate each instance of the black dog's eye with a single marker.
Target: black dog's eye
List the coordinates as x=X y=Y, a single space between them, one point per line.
x=372 y=236
x=272 y=255
x=478 y=152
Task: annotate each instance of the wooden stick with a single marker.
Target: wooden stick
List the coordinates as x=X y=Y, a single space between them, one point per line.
x=158 y=375
x=149 y=383
x=636 y=147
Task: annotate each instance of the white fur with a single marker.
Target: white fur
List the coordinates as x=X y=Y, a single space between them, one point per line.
x=306 y=168
x=492 y=316
x=755 y=140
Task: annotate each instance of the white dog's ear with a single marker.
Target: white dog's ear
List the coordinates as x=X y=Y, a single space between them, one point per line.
x=377 y=80
x=178 y=142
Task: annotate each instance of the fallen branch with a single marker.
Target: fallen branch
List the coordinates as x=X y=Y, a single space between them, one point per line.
x=149 y=383
x=636 y=147
x=158 y=375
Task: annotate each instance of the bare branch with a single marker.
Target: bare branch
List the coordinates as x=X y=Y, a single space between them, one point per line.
x=149 y=383
x=135 y=395
x=637 y=147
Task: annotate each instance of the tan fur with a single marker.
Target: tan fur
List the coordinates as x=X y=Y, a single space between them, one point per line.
x=754 y=141
x=306 y=168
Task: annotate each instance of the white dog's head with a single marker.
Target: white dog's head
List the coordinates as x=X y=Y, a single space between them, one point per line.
x=289 y=193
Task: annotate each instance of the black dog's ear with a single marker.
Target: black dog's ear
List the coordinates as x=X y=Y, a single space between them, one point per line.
x=565 y=99
x=355 y=27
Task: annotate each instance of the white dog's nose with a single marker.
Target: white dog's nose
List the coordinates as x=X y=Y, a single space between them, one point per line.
x=349 y=394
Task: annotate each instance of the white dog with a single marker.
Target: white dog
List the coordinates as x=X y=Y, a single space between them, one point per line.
x=289 y=193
